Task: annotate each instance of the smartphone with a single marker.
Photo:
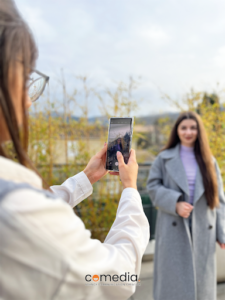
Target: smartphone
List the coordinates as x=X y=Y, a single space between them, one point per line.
x=119 y=139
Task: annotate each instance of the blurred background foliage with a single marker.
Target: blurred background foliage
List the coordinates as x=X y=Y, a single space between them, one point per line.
x=61 y=144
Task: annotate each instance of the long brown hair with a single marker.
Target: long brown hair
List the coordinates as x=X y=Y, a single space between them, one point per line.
x=203 y=156
x=16 y=42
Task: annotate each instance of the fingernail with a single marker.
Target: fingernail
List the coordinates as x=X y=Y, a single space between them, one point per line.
x=104 y=143
x=118 y=153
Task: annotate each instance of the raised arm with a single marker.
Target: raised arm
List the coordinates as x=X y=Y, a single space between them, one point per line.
x=74 y=190
x=77 y=188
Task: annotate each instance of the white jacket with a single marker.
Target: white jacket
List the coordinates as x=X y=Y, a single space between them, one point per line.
x=46 y=252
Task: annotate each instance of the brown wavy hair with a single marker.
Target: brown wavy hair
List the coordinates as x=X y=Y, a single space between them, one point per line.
x=16 y=42
x=203 y=156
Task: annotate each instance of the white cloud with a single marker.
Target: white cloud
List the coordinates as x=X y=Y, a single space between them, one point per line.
x=219 y=58
x=41 y=28
x=154 y=34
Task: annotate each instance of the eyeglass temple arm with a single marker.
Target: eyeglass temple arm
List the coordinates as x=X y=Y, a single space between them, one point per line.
x=41 y=74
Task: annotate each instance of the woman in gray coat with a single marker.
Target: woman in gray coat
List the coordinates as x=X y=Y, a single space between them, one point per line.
x=186 y=186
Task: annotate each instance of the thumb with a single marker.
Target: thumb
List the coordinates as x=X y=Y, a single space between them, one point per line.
x=132 y=157
x=120 y=158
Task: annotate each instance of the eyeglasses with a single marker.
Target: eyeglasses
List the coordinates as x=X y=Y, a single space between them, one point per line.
x=37 y=85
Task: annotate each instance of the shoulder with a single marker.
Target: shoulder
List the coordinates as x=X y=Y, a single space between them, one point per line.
x=164 y=155
x=216 y=165
x=23 y=197
x=26 y=199
x=54 y=221
x=215 y=162
x=15 y=172
x=167 y=153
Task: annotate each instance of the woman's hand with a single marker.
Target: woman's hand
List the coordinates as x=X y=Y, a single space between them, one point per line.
x=222 y=246
x=95 y=169
x=184 y=209
x=128 y=172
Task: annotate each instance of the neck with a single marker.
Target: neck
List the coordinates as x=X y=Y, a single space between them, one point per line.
x=188 y=145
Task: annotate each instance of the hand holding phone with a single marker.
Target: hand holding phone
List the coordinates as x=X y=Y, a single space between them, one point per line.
x=128 y=172
x=95 y=169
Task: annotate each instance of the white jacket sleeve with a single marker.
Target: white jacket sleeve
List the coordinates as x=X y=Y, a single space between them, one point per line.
x=74 y=190
x=120 y=254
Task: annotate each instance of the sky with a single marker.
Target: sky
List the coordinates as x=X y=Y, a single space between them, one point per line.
x=169 y=46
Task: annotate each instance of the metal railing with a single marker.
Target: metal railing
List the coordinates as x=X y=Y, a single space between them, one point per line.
x=149 y=209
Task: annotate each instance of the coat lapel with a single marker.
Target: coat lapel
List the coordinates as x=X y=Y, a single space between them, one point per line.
x=175 y=168
x=199 y=187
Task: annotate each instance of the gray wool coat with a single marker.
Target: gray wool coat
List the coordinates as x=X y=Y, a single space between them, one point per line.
x=185 y=266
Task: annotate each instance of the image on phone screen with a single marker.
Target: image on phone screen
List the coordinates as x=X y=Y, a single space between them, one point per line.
x=119 y=139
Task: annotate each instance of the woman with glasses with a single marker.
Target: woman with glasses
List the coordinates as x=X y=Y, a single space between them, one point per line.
x=45 y=250
x=186 y=186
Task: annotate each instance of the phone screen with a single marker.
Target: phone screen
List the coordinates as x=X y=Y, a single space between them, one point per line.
x=120 y=134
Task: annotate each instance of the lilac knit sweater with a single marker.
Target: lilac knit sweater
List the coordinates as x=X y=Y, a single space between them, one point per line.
x=190 y=165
